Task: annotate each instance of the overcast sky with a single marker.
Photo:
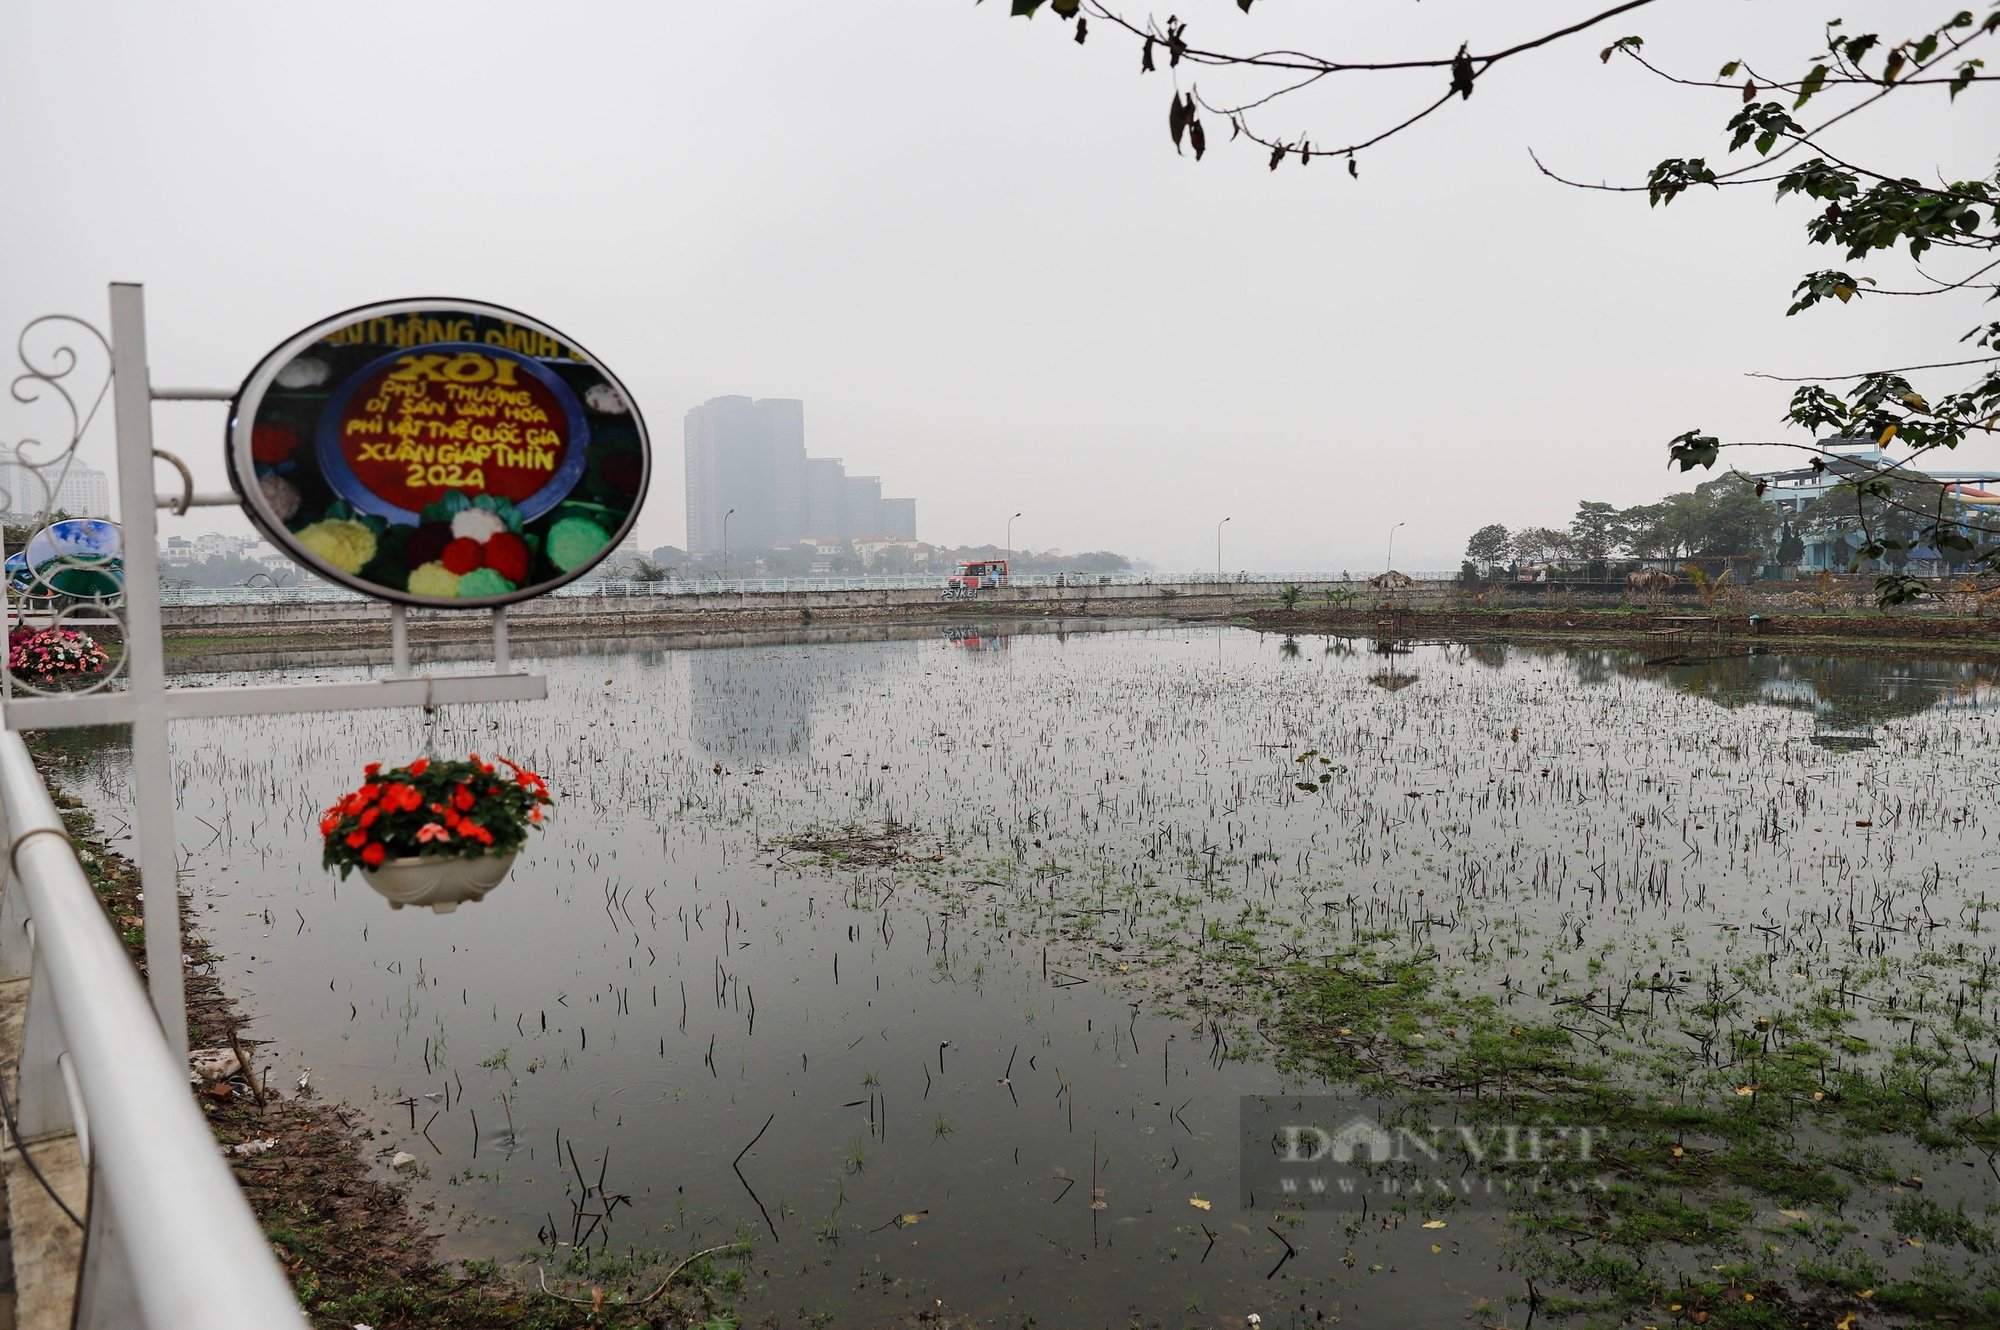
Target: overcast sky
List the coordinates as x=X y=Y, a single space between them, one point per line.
x=968 y=245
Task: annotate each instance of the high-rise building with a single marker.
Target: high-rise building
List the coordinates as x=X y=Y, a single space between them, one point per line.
x=750 y=457
x=785 y=418
x=899 y=519
x=824 y=476
x=861 y=504
x=68 y=487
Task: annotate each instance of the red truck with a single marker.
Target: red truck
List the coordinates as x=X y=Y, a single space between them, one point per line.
x=978 y=574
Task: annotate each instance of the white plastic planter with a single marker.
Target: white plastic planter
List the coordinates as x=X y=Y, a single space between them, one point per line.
x=440 y=882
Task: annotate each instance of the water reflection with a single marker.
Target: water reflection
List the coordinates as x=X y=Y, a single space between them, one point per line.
x=1842 y=692
x=986 y=639
x=756 y=704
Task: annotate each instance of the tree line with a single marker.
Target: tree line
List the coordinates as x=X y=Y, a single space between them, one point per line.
x=1729 y=517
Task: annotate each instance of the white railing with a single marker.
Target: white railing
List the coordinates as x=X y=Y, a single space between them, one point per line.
x=318 y=593
x=171 y=1243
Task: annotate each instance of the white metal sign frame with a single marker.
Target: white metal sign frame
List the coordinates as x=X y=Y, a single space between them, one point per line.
x=148 y=705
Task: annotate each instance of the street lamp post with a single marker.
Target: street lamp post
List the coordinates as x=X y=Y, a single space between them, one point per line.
x=1010 y=546
x=1218 y=549
x=1392 y=548
x=725 y=541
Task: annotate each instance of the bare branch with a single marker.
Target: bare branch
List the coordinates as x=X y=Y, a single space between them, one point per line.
x=1300 y=61
x=1835 y=378
x=1641 y=189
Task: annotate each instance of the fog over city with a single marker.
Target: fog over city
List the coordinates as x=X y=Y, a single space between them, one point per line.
x=968 y=246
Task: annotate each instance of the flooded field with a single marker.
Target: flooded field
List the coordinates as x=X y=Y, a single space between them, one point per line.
x=938 y=968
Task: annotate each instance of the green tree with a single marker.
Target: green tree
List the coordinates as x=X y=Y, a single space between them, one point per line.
x=1099 y=561
x=1791 y=548
x=1539 y=544
x=1646 y=531
x=1679 y=531
x=1723 y=516
x=645 y=570
x=1729 y=518
x=1595 y=532
x=1488 y=545
x=18 y=534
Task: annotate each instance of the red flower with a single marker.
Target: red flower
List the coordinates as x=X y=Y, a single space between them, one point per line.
x=273 y=442
x=462 y=556
x=461 y=798
x=372 y=770
x=418 y=767
x=369 y=815
x=373 y=853
x=356 y=839
x=507 y=555
x=329 y=821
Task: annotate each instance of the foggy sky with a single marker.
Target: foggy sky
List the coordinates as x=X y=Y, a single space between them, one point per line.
x=969 y=246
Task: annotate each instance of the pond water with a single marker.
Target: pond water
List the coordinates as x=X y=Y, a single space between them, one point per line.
x=991 y=1048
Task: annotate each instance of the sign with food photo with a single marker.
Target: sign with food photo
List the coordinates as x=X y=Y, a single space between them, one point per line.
x=439 y=452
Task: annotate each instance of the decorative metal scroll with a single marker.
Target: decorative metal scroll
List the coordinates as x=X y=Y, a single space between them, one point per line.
x=62 y=576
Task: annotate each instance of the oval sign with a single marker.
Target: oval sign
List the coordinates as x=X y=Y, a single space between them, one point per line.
x=439 y=452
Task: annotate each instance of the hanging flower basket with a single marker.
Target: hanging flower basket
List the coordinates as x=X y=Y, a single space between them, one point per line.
x=434 y=833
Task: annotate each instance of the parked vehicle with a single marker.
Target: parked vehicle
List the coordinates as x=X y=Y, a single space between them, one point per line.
x=979 y=574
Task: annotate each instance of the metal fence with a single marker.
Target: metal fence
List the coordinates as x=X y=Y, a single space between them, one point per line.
x=170 y=1241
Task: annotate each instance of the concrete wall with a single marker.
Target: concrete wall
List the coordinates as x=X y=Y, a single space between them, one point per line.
x=596 y=614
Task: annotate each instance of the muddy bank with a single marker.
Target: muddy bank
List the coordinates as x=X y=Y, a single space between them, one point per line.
x=597 y=617
x=202 y=655
x=1638 y=627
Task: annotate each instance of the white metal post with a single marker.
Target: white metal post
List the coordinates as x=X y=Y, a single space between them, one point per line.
x=41 y=1101
x=107 y=1295
x=145 y=665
